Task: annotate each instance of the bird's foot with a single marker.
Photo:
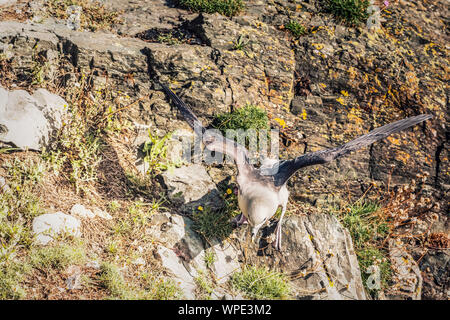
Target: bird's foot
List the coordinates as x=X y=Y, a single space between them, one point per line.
x=239 y=220
x=277 y=242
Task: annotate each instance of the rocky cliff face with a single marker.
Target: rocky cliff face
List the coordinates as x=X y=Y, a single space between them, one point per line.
x=328 y=86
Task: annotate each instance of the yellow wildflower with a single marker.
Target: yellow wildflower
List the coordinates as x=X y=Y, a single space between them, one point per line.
x=344 y=93
x=281 y=122
x=229 y=191
x=341 y=101
x=303 y=114
x=200 y=208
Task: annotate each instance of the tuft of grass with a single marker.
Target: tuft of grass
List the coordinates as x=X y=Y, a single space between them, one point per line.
x=368 y=230
x=247 y=117
x=212 y=224
x=11 y=276
x=261 y=283
x=159 y=288
x=19 y=205
x=153 y=288
x=210 y=258
x=295 y=28
x=244 y=125
x=369 y=256
x=57 y=257
x=227 y=8
x=240 y=43
x=112 y=279
x=351 y=12
x=204 y=286
x=364 y=226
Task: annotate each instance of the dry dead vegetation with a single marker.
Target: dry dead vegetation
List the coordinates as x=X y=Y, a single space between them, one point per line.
x=88 y=163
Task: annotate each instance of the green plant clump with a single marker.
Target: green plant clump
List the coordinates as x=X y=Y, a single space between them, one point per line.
x=227 y=8
x=57 y=257
x=261 y=283
x=295 y=28
x=368 y=230
x=248 y=117
x=212 y=224
x=352 y=12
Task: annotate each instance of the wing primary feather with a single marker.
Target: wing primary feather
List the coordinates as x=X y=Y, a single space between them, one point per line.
x=187 y=113
x=287 y=168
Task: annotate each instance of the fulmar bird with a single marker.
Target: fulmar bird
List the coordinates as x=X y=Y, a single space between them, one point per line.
x=260 y=192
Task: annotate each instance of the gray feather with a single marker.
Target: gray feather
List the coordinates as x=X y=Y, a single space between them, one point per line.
x=287 y=168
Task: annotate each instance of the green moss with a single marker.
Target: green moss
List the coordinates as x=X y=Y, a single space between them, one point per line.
x=261 y=283
x=351 y=12
x=227 y=8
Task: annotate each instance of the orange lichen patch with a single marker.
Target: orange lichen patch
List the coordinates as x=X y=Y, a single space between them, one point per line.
x=318 y=46
x=352 y=73
x=402 y=156
x=393 y=140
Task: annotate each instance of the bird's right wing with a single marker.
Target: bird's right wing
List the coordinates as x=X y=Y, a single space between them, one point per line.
x=287 y=168
x=187 y=113
x=213 y=141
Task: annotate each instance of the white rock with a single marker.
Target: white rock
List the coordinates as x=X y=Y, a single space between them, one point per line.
x=139 y=261
x=28 y=121
x=80 y=211
x=185 y=280
x=191 y=186
x=226 y=261
x=3 y=185
x=93 y=264
x=7 y=2
x=102 y=214
x=48 y=225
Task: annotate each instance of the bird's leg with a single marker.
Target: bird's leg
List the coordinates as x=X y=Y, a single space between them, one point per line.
x=239 y=220
x=256 y=228
x=277 y=243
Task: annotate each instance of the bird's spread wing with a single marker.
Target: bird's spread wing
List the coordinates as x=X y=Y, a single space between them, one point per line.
x=213 y=140
x=287 y=168
x=187 y=113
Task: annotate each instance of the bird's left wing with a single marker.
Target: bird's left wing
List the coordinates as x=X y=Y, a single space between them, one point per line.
x=287 y=168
